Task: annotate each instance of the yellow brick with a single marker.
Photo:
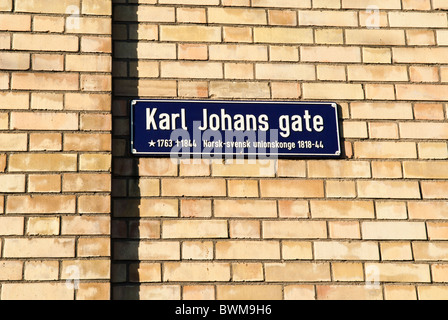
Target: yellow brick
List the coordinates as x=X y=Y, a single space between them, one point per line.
x=194 y=229
x=40 y=204
x=340 y=189
x=42 y=162
x=11 y=226
x=325 y=72
x=283 y=53
x=282 y=17
x=342 y=209
x=326 y=4
x=377 y=73
x=146 y=208
x=193 y=187
x=401 y=272
x=236 y=16
x=191 y=15
x=385 y=150
x=421 y=37
x=330 y=54
x=404 y=292
x=294 y=229
x=389 y=189
x=43 y=226
x=383 y=130
x=97 y=7
x=344 y=230
x=285 y=72
x=13 y=142
x=291 y=188
x=87 y=101
x=333 y=91
x=381 y=169
x=190 y=33
x=237 y=34
x=96 y=44
x=247 y=272
x=89 y=63
x=337 y=169
x=346 y=251
x=347 y=271
x=5 y=41
x=157 y=167
x=45 y=6
x=432 y=150
x=6 y=5
x=41 y=270
x=93 y=291
x=14 y=22
x=165 y=292
x=244 y=229
x=249 y=292
x=243 y=90
x=424 y=130
x=238 y=52
x=427 y=170
x=147 y=250
x=297 y=250
x=420 y=55
x=428 y=210
x=243 y=189
x=424 y=74
x=376 y=55
x=293 y=209
x=432 y=292
x=439 y=272
x=197 y=272
x=37 y=290
x=380 y=110
x=245 y=208
x=45 y=42
x=44 y=121
x=375 y=37
x=282 y=3
x=247 y=250
x=48 y=24
x=428 y=111
x=328 y=18
x=196 y=208
x=400 y=251
x=45 y=81
x=195 y=70
x=349 y=292
x=379 y=91
x=195 y=250
x=197 y=89
x=39 y=247
x=96 y=122
x=434 y=189
x=329 y=36
x=93 y=247
x=297 y=272
x=14 y=61
x=243 y=168
x=88 y=269
x=394 y=230
x=145 y=272
x=437 y=230
x=96 y=83
x=48 y=62
x=193 y=52
x=363 y=4
x=85 y=182
x=418 y=19
x=198 y=292
x=85 y=225
x=391 y=210
x=283 y=35
x=44 y=183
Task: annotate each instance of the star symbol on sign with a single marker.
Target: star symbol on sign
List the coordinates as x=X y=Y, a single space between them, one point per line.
x=152 y=143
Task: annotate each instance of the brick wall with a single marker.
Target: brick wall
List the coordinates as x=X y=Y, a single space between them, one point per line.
x=371 y=225
x=55 y=149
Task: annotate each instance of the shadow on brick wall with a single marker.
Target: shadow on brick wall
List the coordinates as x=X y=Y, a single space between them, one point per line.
x=125 y=173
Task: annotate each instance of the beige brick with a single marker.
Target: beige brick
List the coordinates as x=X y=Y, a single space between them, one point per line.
x=401 y=272
x=193 y=187
x=39 y=247
x=97 y=7
x=340 y=189
x=195 y=70
x=379 y=91
x=196 y=208
x=432 y=292
x=437 y=230
x=346 y=251
x=291 y=188
x=383 y=130
x=294 y=272
x=247 y=250
x=87 y=142
x=385 y=150
x=45 y=6
x=146 y=208
x=238 y=71
x=147 y=250
x=42 y=162
x=434 y=189
x=243 y=168
x=14 y=100
x=157 y=167
x=419 y=55
x=389 y=169
x=85 y=182
x=88 y=63
x=41 y=270
x=375 y=37
x=45 y=42
x=293 y=209
x=193 y=52
x=243 y=90
x=48 y=24
x=427 y=170
x=399 y=251
x=342 y=209
x=14 y=61
x=191 y=15
x=87 y=102
x=43 y=226
x=297 y=250
x=394 y=230
x=93 y=291
x=196 y=250
x=376 y=55
x=44 y=121
x=344 y=230
x=194 y=229
x=242 y=188
x=96 y=44
x=421 y=37
x=85 y=225
x=37 y=290
x=349 y=292
x=328 y=18
x=330 y=54
x=329 y=36
x=383 y=111
x=283 y=35
x=238 y=52
x=424 y=74
x=44 y=183
x=88 y=269
x=391 y=210
x=198 y=292
x=244 y=229
x=424 y=130
x=363 y=4
x=333 y=91
x=237 y=34
x=432 y=150
x=96 y=83
x=6 y=6
x=186 y=33
x=145 y=272
x=93 y=247
x=236 y=16
x=283 y=53
x=198 y=272
x=95 y=162
x=285 y=72
x=337 y=169
x=325 y=72
x=389 y=189
x=377 y=73
x=428 y=111
x=247 y=272
x=347 y=271
x=282 y=17
x=197 y=89
x=294 y=229
x=428 y=210
x=47 y=101
x=249 y=292
x=14 y=22
x=439 y=272
x=5 y=41
x=45 y=81
x=11 y=226
x=403 y=292
x=165 y=292
x=418 y=19
x=42 y=204
x=245 y=208
x=13 y=142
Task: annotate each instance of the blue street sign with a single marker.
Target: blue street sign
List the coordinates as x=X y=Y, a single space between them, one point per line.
x=234 y=129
